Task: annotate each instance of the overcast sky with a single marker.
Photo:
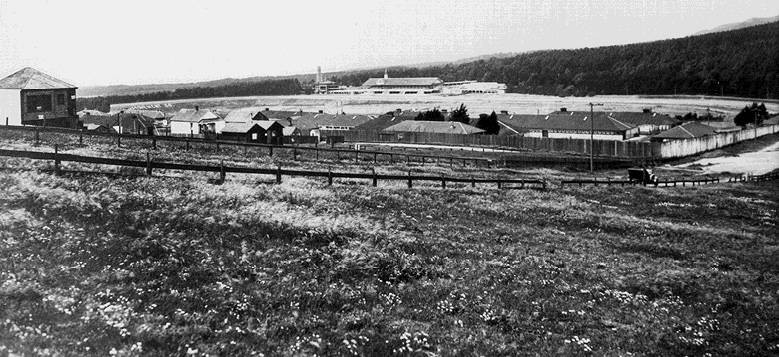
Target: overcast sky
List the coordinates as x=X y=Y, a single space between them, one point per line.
x=96 y=42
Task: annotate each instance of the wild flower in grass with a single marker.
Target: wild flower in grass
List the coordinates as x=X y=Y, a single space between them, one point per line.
x=410 y=343
x=584 y=343
x=445 y=307
x=390 y=299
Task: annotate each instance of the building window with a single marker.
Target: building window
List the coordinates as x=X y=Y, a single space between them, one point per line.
x=38 y=103
x=60 y=99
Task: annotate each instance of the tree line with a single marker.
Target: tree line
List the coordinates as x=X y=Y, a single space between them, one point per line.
x=741 y=62
x=269 y=87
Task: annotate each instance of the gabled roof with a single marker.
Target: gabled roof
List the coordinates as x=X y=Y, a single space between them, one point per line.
x=31 y=78
x=245 y=115
x=267 y=124
x=641 y=118
x=568 y=120
x=440 y=127
x=238 y=127
x=382 y=122
x=289 y=130
x=399 y=82
x=687 y=130
x=194 y=116
x=281 y=114
x=316 y=120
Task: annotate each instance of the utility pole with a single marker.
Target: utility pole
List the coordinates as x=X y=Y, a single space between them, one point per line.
x=592 y=133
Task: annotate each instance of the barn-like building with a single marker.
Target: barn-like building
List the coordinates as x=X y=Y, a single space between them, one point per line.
x=31 y=97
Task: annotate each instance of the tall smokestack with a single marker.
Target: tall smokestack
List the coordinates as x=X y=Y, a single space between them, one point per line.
x=318 y=74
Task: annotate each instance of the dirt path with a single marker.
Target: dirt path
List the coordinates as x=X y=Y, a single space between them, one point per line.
x=758 y=162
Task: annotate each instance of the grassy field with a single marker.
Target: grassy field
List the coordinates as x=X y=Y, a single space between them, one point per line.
x=477 y=103
x=95 y=264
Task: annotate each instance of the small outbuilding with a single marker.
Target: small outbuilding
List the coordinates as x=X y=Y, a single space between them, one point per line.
x=689 y=130
x=31 y=97
x=433 y=127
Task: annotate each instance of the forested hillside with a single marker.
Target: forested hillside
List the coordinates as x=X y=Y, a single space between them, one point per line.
x=269 y=87
x=742 y=62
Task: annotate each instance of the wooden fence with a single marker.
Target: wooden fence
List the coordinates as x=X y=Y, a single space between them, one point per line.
x=687 y=147
x=149 y=165
x=601 y=148
x=294 y=150
x=662 y=183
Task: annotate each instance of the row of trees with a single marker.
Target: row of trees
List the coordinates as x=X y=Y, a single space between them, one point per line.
x=754 y=114
x=742 y=62
x=488 y=123
x=269 y=87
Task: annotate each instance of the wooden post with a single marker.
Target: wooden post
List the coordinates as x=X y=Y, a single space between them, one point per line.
x=408 y=159
x=375 y=179
x=148 y=164
x=356 y=156
x=473 y=182
x=119 y=139
x=278 y=174
x=443 y=182
x=451 y=162
x=154 y=143
x=270 y=151
x=409 y=180
x=37 y=136
x=222 y=173
x=375 y=155
x=187 y=141
x=56 y=161
x=217 y=147
x=295 y=152
x=499 y=184
x=316 y=149
x=81 y=137
x=329 y=177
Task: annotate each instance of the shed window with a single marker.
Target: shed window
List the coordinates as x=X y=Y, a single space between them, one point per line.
x=60 y=99
x=38 y=103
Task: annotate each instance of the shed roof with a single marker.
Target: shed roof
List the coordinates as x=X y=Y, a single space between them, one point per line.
x=566 y=121
x=399 y=82
x=193 y=116
x=687 y=130
x=441 y=127
x=31 y=78
x=289 y=130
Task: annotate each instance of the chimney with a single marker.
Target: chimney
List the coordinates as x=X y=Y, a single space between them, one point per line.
x=647 y=110
x=563 y=109
x=267 y=109
x=321 y=111
x=504 y=112
x=197 y=108
x=290 y=121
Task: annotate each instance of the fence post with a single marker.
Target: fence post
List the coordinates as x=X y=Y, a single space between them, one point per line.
x=443 y=182
x=409 y=180
x=270 y=151
x=217 y=147
x=148 y=164
x=222 y=173
x=56 y=161
x=356 y=156
x=81 y=137
x=118 y=140
x=316 y=150
x=408 y=159
x=499 y=186
x=473 y=182
x=37 y=136
x=187 y=141
x=375 y=180
x=375 y=155
x=154 y=143
x=294 y=152
x=329 y=176
x=278 y=174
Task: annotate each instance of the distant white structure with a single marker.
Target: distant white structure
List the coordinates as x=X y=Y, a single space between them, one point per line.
x=467 y=87
x=412 y=86
x=194 y=122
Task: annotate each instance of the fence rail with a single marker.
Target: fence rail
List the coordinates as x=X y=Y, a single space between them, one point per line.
x=149 y=164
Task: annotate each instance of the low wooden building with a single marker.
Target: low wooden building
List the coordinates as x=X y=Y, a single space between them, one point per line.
x=195 y=122
x=571 y=125
x=261 y=131
x=31 y=97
